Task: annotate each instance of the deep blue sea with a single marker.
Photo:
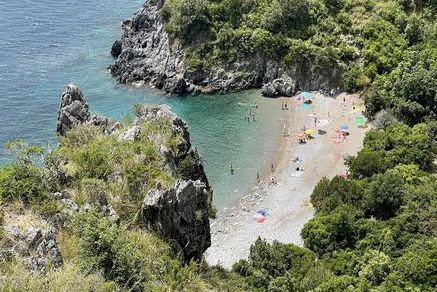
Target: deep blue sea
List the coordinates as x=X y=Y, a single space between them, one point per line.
x=47 y=44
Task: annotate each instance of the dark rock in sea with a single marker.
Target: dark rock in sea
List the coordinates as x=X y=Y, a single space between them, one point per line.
x=175 y=86
x=116 y=48
x=180 y=214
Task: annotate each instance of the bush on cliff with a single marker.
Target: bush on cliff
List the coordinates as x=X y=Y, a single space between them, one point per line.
x=365 y=39
x=125 y=170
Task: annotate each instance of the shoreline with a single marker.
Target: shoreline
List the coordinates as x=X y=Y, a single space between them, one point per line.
x=287 y=201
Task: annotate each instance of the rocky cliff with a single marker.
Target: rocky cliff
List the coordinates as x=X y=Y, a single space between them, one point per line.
x=179 y=212
x=145 y=54
x=153 y=178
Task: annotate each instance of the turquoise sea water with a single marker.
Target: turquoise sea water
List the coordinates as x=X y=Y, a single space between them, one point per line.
x=48 y=44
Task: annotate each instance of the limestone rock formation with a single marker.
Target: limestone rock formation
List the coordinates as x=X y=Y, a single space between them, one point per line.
x=74 y=110
x=145 y=54
x=31 y=240
x=185 y=151
x=180 y=214
x=279 y=87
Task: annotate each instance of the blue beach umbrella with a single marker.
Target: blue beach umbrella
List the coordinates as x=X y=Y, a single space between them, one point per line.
x=262 y=211
x=344 y=127
x=306 y=94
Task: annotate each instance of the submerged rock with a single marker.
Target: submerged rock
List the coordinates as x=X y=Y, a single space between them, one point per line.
x=181 y=215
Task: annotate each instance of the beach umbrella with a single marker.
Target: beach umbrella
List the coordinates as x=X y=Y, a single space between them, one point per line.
x=306 y=94
x=262 y=211
x=259 y=218
x=359 y=121
x=344 y=127
x=310 y=132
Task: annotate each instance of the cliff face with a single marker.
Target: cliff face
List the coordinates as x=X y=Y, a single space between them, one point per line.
x=179 y=212
x=145 y=54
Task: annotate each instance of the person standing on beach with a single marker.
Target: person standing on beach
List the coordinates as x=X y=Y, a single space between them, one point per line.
x=272 y=168
x=232 y=169
x=257 y=177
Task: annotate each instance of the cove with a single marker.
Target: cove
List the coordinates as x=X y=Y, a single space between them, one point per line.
x=48 y=44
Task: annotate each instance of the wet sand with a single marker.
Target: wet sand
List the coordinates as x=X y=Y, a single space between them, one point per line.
x=287 y=200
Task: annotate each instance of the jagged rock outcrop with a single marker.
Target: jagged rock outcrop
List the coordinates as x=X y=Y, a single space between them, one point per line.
x=74 y=110
x=116 y=48
x=180 y=214
x=145 y=54
x=35 y=247
x=185 y=151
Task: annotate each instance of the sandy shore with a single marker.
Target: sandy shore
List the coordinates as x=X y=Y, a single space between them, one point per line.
x=287 y=200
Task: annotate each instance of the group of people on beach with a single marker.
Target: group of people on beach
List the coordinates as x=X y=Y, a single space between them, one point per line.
x=251 y=114
x=334 y=92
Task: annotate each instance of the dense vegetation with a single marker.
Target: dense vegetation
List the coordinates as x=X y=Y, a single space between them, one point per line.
x=100 y=251
x=386 y=46
x=377 y=229
x=374 y=231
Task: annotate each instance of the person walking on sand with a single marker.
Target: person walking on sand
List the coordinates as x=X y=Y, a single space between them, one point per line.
x=272 y=168
x=257 y=177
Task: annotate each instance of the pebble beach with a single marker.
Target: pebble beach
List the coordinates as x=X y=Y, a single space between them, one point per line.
x=285 y=192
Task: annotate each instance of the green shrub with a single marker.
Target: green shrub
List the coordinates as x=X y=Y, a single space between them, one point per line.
x=21 y=181
x=268 y=263
x=354 y=78
x=15 y=277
